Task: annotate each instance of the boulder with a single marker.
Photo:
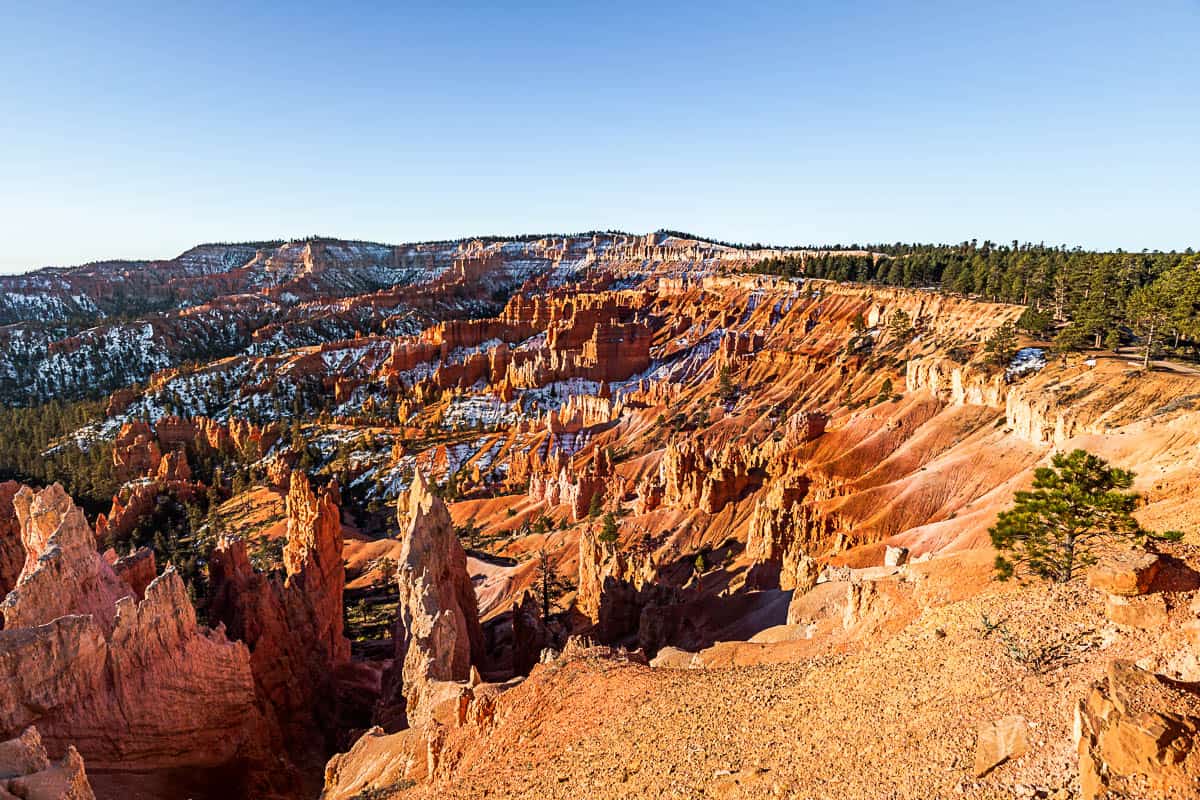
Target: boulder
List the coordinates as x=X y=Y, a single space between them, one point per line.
x=1127 y=574
x=1000 y=741
x=1146 y=611
x=895 y=556
x=675 y=658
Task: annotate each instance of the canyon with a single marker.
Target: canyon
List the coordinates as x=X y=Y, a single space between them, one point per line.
x=601 y=515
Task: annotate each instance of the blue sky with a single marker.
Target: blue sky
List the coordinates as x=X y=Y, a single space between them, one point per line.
x=136 y=130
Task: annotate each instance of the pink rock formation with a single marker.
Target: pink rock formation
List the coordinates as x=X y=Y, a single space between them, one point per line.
x=63 y=572
x=437 y=634
x=157 y=692
x=138 y=570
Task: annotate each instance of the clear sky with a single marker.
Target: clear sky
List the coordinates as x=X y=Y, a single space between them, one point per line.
x=139 y=130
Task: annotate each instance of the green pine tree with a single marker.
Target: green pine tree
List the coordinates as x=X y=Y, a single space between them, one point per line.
x=1150 y=312
x=1001 y=346
x=608 y=529
x=725 y=388
x=900 y=325
x=1076 y=507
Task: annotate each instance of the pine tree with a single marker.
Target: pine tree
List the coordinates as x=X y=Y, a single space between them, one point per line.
x=1149 y=311
x=388 y=568
x=885 y=391
x=1001 y=346
x=900 y=325
x=608 y=529
x=725 y=388
x=1076 y=507
x=545 y=580
x=1035 y=322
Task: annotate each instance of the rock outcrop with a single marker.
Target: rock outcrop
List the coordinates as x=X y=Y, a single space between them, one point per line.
x=137 y=570
x=1126 y=574
x=776 y=542
x=1138 y=735
x=615 y=586
x=293 y=627
x=695 y=476
x=158 y=692
x=12 y=551
x=63 y=572
x=120 y=669
x=437 y=634
x=1000 y=741
x=557 y=481
x=26 y=771
x=529 y=634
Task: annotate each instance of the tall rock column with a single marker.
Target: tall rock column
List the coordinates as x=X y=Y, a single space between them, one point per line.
x=437 y=634
x=316 y=575
x=294 y=627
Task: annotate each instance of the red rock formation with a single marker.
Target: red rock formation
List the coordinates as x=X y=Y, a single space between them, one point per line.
x=313 y=561
x=437 y=634
x=12 y=551
x=138 y=500
x=135 y=452
x=173 y=432
x=611 y=585
x=63 y=572
x=137 y=569
x=174 y=467
x=529 y=634
x=139 y=450
x=556 y=481
x=159 y=692
x=293 y=627
x=119 y=401
x=581 y=412
x=740 y=343
x=26 y=771
x=775 y=541
x=695 y=477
